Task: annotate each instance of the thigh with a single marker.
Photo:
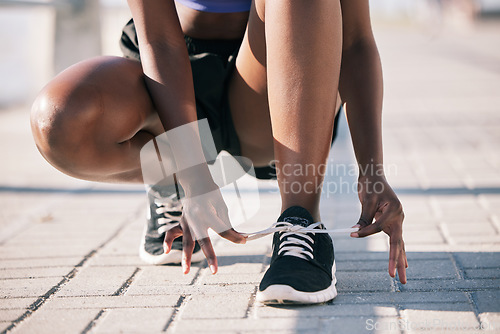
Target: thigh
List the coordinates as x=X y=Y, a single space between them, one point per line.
x=248 y=94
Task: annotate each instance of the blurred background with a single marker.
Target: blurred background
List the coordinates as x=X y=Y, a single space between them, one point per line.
x=40 y=38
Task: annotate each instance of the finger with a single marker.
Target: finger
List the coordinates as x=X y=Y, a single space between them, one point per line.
x=368 y=210
x=406 y=259
x=395 y=250
x=208 y=250
x=402 y=267
x=368 y=230
x=170 y=236
x=233 y=236
x=376 y=227
x=187 y=250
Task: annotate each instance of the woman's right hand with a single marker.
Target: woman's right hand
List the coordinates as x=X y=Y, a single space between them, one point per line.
x=199 y=214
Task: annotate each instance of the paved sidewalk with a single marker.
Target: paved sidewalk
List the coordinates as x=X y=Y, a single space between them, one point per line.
x=68 y=249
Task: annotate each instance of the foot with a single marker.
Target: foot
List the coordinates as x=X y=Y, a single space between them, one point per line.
x=164 y=212
x=302 y=269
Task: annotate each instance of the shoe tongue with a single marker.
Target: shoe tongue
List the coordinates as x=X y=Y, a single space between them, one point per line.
x=296 y=215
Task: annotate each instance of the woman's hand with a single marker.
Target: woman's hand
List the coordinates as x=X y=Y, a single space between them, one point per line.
x=199 y=214
x=379 y=202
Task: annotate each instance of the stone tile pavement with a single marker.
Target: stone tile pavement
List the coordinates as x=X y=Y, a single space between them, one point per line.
x=68 y=248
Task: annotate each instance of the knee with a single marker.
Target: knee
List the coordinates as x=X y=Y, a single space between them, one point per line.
x=63 y=116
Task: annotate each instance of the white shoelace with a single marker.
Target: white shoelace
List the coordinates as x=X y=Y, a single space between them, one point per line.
x=293 y=245
x=166 y=205
x=294 y=229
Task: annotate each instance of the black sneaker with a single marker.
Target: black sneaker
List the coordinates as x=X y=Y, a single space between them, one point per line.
x=163 y=213
x=302 y=269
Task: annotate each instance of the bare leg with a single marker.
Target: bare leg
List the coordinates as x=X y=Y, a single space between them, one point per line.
x=91 y=121
x=295 y=47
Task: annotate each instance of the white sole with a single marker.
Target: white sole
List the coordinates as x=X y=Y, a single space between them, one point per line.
x=285 y=294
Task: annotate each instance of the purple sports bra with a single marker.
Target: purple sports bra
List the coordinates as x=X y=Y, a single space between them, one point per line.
x=218 y=6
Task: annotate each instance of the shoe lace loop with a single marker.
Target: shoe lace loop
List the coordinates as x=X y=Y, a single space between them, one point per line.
x=297 y=240
x=169 y=210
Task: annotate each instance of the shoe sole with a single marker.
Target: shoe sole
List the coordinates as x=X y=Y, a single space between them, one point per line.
x=285 y=294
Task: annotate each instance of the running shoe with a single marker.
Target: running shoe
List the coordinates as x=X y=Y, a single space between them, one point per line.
x=302 y=269
x=163 y=213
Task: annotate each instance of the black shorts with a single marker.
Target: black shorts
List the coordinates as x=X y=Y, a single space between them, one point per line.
x=212 y=62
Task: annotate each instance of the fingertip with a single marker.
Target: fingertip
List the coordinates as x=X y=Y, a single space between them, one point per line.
x=356 y=226
x=213 y=269
x=166 y=249
x=354 y=235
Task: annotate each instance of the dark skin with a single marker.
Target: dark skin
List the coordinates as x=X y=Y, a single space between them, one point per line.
x=279 y=110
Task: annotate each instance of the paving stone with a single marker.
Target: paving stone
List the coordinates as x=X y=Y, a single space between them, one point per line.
x=242 y=326
x=487 y=301
x=117 y=260
x=126 y=243
x=424 y=236
x=432 y=269
x=450 y=285
x=16 y=303
x=216 y=306
x=479 y=259
x=97 y=281
x=235 y=278
x=482 y=273
x=342 y=256
x=10 y=315
x=449 y=317
x=57 y=321
x=53 y=250
x=473 y=228
x=34 y=272
x=373 y=265
x=397 y=298
x=165 y=276
x=207 y=289
x=40 y=262
x=28 y=287
x=108 y=302
x=4 y=325
x=134 y=320
x=481 y=240
x=328 y=310
x=363 y=281
x=357 y=325
x=490 y=322
x=250 y=264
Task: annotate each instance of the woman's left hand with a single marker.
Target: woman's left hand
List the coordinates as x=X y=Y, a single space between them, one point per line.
x=382 y=211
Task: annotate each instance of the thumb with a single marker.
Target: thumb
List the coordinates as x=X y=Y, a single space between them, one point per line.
x=233 y=236
x=368 y=210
